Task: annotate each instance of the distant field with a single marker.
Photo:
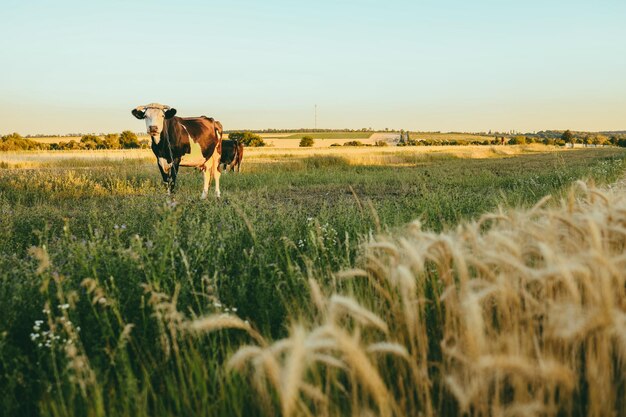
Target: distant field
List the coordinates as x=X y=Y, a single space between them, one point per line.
x=373 y=156
x=278 y=140
x=59 y=139
x=461 y=137
x=324 y=139
x=332 y=135
x=55 y=139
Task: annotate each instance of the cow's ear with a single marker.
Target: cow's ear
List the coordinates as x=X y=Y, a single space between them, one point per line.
x=170 y=113
x=139 y=114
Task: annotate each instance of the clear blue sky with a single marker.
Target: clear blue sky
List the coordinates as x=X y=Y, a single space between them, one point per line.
x=80 y=66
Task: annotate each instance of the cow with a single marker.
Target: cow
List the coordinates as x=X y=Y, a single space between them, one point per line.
x=232 y=154
x=183 y=141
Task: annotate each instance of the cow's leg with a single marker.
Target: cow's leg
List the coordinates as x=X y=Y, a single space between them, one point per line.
x=167 y=180
x=207 y=178
x=173 y=175
x=216 y=173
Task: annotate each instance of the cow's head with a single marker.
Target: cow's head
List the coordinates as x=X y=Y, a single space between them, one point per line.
x=154 y=114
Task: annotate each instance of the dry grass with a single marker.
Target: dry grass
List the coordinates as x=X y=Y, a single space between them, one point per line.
x=36 y=159
x=391 y=155
x=522 y=313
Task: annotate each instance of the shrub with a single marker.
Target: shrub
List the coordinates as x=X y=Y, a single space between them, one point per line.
x=247 y=138
x=92 y=142
x=15 y=142
x=306 y=142
x=71 y=145
x=380 y=143
x=128 y=140
x=354 y=143
x=112 y=141
x=518 y=140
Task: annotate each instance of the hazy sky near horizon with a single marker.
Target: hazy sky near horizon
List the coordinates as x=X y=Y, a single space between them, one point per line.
x=451 y=65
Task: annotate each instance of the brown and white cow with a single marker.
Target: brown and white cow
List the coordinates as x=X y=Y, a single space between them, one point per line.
x=232 y=155
x=188 y=142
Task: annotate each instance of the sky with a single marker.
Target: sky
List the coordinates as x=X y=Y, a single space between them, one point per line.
x=447 y=65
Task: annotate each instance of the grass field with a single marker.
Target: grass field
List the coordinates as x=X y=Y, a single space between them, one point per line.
x=266 y=136
x=439 y=137
x=332 y=135
x=113 y=295
x=326 y=139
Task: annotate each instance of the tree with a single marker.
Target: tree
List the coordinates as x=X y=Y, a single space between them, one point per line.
x=92 y=142
x=112 y=141
x=600 y=140
x=15 y=142
x=306 y=142
x=568 y=137
x=128 y=140
x=247 y=138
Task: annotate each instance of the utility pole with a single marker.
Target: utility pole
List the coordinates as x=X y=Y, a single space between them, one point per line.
x=316 y=117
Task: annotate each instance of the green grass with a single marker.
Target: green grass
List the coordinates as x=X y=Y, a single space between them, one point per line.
x=276 y=225
x=332 y=135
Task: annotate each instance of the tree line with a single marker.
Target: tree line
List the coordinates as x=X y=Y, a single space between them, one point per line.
x=124 y=140
x=129 y=140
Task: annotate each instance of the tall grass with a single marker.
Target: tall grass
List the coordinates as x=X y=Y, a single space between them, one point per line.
x=117 y=300
x=519 y=313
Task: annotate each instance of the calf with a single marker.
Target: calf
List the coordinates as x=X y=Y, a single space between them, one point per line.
x=232 y=155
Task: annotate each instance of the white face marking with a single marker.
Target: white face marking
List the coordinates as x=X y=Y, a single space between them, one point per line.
x=154 y=119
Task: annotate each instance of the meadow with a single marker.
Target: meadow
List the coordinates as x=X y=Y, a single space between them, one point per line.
x=325 y=139
x=459 y=137
x=324 y=282
x=332 y=135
